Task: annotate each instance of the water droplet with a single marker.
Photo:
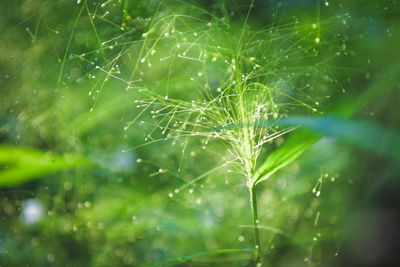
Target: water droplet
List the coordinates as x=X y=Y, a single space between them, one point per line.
x=32 y=211
x=171 y=194
x=241 y=238
x=67 y=185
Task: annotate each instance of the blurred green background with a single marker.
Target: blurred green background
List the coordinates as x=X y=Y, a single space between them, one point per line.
x=78 y=190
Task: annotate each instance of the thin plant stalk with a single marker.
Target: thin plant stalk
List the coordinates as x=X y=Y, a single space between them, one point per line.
x=249 y=162
x=253 y=203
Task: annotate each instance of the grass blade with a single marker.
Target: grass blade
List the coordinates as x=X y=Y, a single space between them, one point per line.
x=204 y=253
x=284 y=155
x=365 y=134
x=18 y=165
x=299 y=142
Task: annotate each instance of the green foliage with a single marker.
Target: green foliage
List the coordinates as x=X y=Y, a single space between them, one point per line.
x=133 y=132
x=286 y=154
x=23 y=164
x=365 y=134
x=206 y=253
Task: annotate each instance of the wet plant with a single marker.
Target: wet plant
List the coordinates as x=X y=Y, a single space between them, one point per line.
x=198 y=76
x=153 y=129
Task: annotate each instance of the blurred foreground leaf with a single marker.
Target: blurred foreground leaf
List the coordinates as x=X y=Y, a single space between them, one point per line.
x=19 y=164
x=361 y=134
x=365 y=134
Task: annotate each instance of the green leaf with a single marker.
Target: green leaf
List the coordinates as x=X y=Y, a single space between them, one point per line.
x=18 y=165
x=284 y=155
x=205 y=253
x=300 y=141
x=365 y=134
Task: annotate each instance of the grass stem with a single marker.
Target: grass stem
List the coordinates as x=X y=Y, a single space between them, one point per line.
x=253 y=202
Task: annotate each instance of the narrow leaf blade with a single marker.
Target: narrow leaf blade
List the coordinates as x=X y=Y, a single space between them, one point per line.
x=20 y=165
x=204 y=253
x=285 y=154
